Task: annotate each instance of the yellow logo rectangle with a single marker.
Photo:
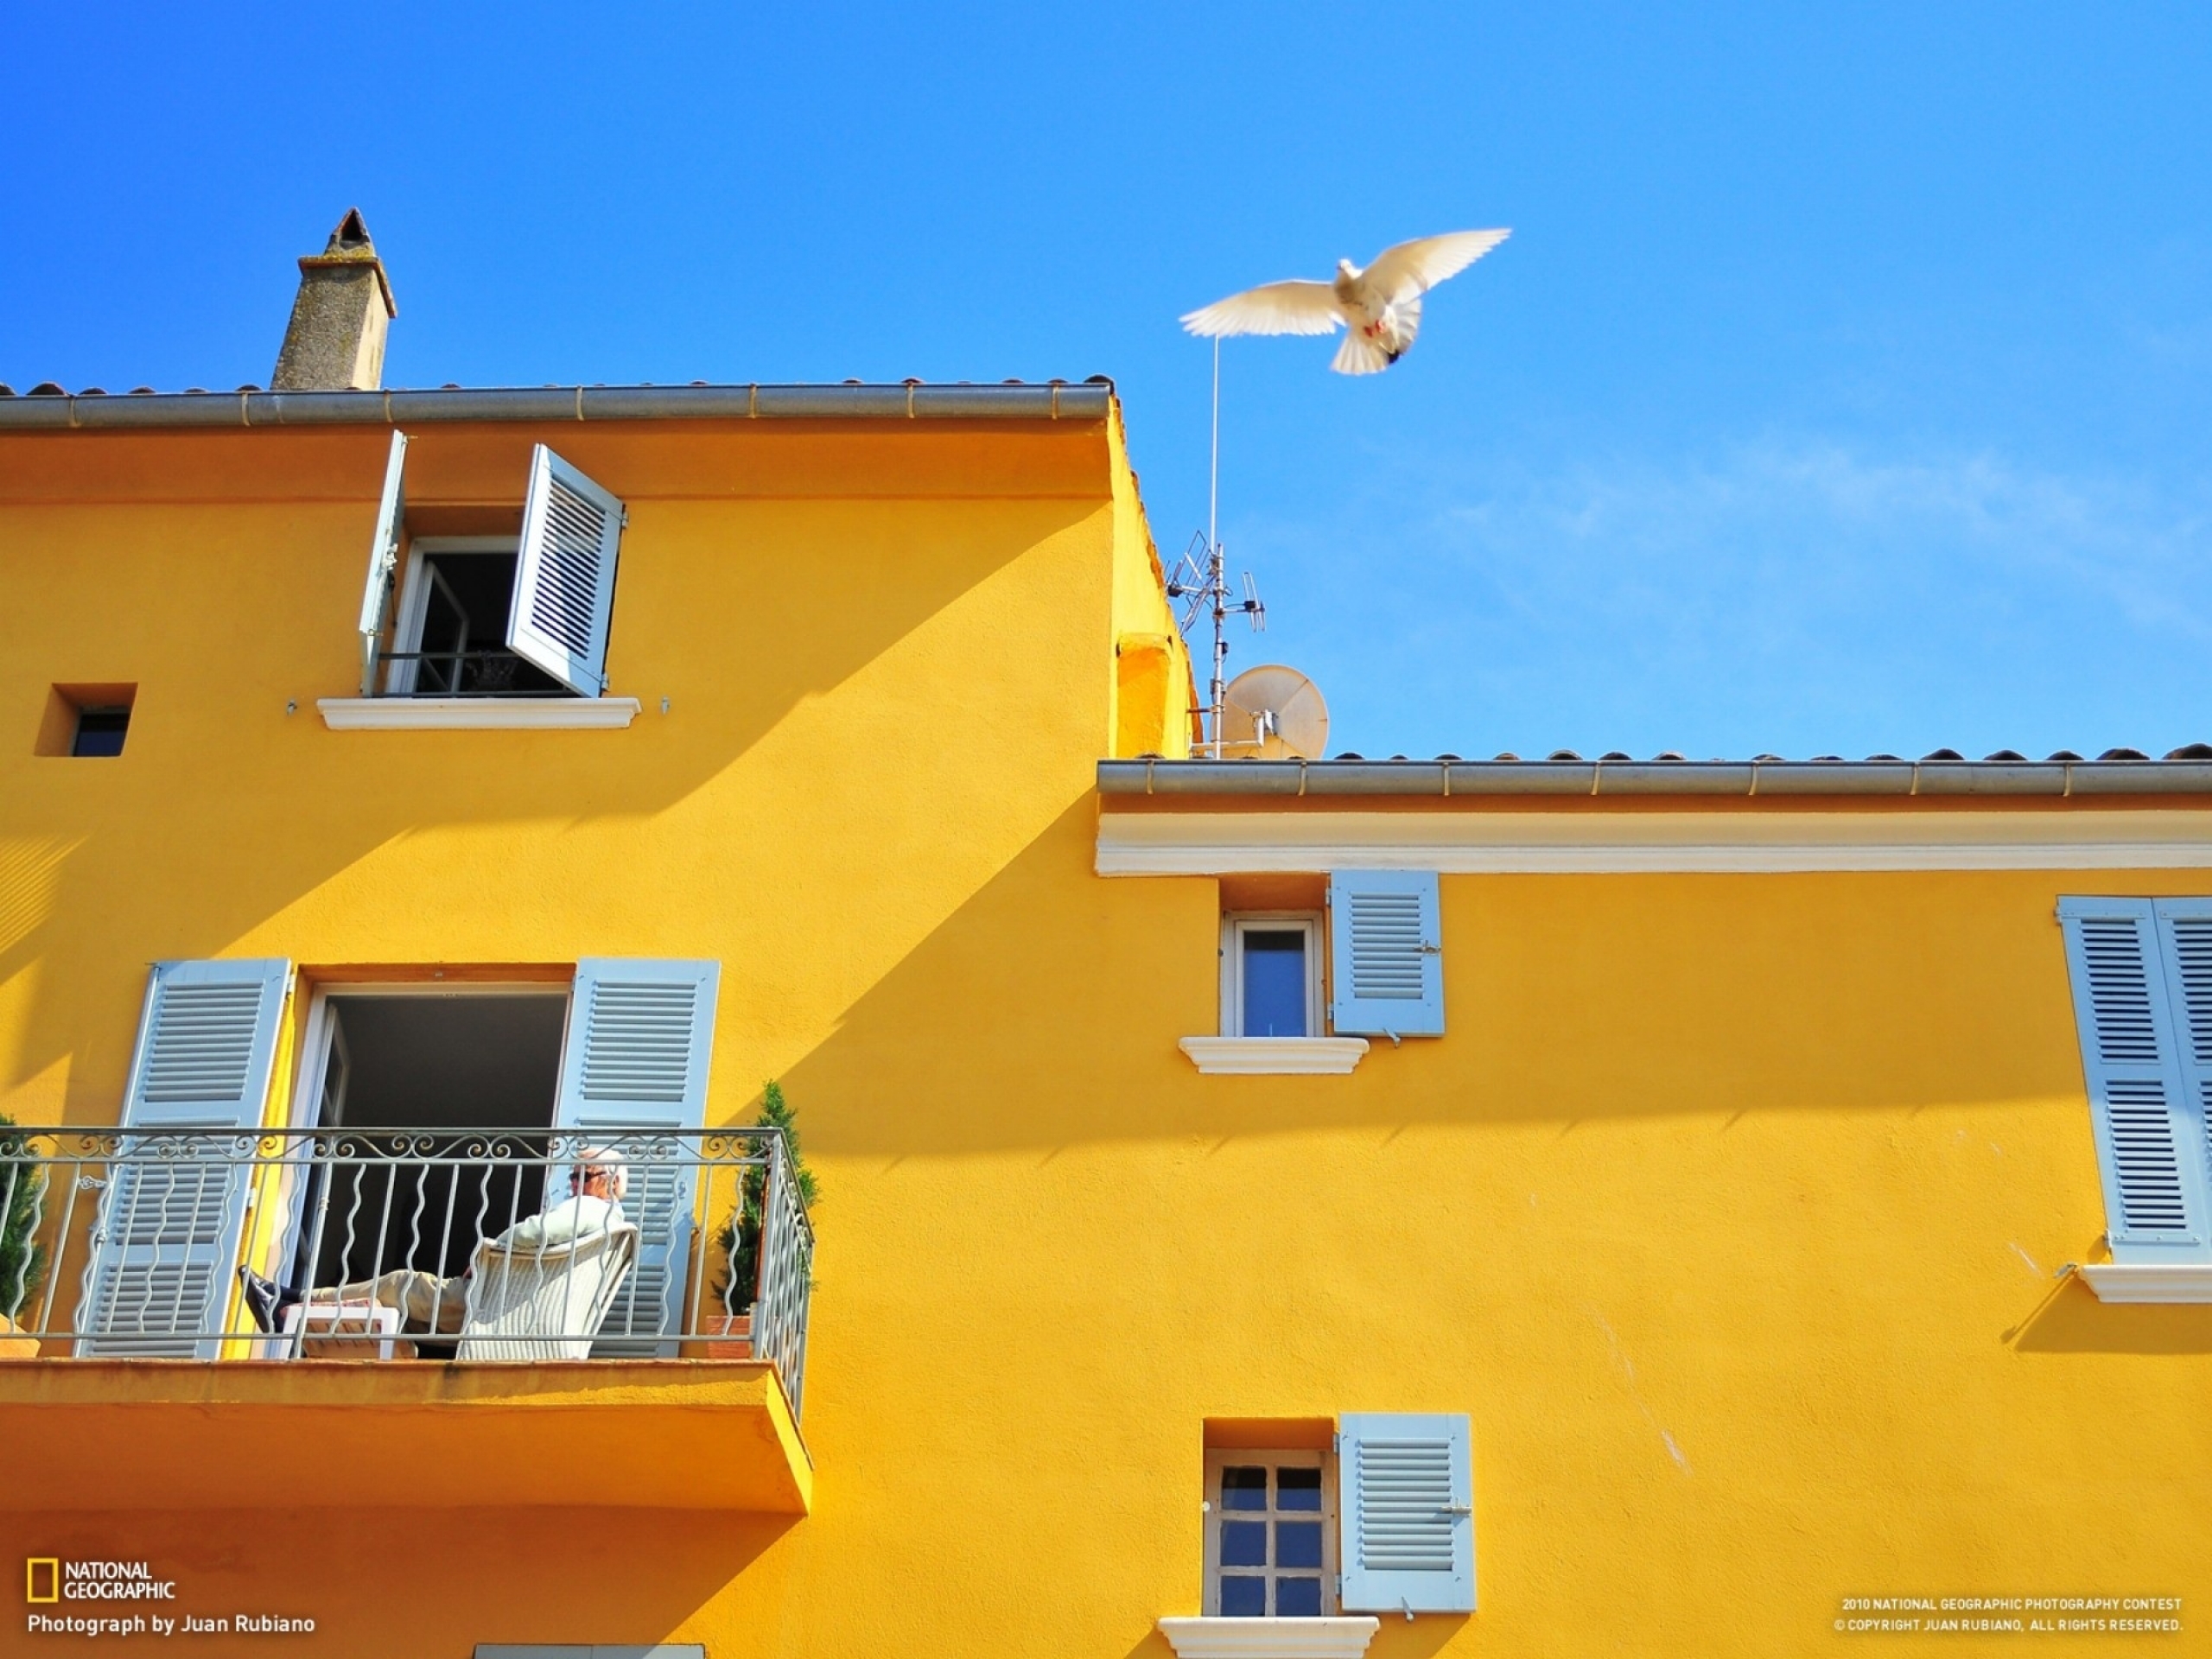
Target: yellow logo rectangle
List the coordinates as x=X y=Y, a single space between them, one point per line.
x=53 y=1565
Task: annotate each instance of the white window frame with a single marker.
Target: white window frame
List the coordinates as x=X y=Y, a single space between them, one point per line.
x=1234 y=925
x=1220 y=1458
x=414 y=605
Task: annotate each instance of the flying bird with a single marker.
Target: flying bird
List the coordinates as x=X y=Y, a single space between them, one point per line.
x=1381 y=304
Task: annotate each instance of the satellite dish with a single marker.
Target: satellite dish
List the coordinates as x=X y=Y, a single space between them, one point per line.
x=1275 y=714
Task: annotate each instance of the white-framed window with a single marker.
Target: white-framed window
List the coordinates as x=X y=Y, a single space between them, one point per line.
x=1271 y=973
x=449 y=634
x=1271 y=1534
x=526 y=615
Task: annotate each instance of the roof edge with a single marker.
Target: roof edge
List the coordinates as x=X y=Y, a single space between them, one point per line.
x=1441 y=778
x=82 y=411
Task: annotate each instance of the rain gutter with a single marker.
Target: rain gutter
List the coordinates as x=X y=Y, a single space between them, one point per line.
x=99 y=411
x=1417 y=779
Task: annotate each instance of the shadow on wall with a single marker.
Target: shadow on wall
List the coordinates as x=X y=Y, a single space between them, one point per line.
x=255 y=811
x=2071 y=1320
x=1568 y=1001
x=378 y=1582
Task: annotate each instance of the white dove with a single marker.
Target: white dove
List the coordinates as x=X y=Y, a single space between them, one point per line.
x=1381 y=304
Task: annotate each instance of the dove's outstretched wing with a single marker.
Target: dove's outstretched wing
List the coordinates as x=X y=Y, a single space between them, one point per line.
x=1412 y=268
x=1271 y=309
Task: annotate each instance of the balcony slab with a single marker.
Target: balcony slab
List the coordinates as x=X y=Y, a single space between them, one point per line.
x=142 y=1434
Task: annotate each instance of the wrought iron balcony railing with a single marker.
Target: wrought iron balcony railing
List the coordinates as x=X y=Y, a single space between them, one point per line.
x=442 y=1243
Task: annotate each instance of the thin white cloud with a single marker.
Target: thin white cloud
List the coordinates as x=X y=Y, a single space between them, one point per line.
x=1789 y=590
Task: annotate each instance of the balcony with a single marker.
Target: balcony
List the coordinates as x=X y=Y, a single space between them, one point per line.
x=453 y=1293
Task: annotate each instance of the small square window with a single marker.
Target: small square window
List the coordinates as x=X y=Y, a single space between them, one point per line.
x=1271 y=1548
x=1271 y=973
x=85 y=719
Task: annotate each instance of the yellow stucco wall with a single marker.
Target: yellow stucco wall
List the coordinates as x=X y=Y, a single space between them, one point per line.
x=1153 y=695
x=1728 y=1206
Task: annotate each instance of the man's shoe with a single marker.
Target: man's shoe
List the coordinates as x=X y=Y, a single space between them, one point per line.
x=266 y=1299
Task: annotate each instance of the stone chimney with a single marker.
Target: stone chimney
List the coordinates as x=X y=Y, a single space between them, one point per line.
x=335 y=340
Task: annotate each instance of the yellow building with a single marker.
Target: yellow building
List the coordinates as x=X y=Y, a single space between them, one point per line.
x=1267 y=1208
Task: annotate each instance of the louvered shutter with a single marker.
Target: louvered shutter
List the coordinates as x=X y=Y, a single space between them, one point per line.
x=2149 y=1131
x=1407 y=1497
x=1386 y=954
x=639 y=1036
x=564 y=576
x=165 y=1245
x=383 y=560
x=2185 y=942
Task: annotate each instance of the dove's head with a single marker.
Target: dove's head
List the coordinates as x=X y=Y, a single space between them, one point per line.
x=1346 y=268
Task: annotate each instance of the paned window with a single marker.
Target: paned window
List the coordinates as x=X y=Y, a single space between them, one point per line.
x=1271 y=1534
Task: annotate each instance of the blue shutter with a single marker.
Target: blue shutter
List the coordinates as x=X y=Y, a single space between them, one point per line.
x=565 y=575
x=1386 y=954
x=2148 y=1123
x=1407 y=1513
x=640 y=1033
x=2185 y=943
x=165 y=1246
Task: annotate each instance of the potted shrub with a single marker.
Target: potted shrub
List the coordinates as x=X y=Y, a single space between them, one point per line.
x=728 y=1315
x=22 y=1257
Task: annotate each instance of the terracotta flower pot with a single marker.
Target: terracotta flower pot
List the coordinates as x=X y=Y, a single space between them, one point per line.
x=722 y=1336
x=18 y=1344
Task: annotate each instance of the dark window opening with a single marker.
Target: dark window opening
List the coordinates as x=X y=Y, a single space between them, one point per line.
x=85 y=719
x=462 y=649
x=100 y=731
x=440 y=1064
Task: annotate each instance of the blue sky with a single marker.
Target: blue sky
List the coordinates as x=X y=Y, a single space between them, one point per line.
x=1846 y=385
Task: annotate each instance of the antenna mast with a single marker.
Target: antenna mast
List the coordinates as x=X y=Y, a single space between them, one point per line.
x=1202 y=577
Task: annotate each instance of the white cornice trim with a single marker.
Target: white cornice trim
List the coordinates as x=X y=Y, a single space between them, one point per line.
x=1576 y=842
x=2150 y=1281
x=476 y=713
x=1268 y=1638
x=1274 y=1057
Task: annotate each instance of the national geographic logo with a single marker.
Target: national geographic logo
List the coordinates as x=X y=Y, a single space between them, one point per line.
x=48 y=1579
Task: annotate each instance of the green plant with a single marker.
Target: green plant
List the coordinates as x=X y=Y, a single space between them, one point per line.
x=22 y=1204
x=739 y=1235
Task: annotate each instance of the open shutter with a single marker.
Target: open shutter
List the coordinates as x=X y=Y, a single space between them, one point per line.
x=2185 y=941
x=635 y=1062
x=165 y=1246
x=564 y=576
x=2149 y=1131
x=383 y=560
x=1386 y=954
x=1408 y=1508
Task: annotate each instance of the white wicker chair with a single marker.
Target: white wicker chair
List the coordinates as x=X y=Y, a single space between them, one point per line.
x=544 y=1304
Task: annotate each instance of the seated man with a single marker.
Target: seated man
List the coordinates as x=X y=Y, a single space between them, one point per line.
x=597 y=1182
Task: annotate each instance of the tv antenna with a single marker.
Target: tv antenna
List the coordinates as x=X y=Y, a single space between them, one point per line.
x=1202 y=576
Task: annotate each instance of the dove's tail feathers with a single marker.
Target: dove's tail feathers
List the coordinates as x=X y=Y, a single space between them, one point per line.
x=1408 y=319
x=1360 y=355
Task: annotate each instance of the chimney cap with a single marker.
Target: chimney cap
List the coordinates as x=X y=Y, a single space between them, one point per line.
x=350 y=245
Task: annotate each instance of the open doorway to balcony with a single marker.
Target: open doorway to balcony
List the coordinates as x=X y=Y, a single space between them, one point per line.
x=418 y=1081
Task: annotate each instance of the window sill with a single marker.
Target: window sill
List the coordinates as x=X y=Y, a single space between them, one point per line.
x=476 y=713
x=2147 y=1281
x=1274 y=1057
x=1268 y=1638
